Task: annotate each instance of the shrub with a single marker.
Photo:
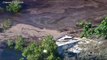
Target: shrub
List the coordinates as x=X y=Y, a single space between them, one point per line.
x=80 y=24
x=50 y=46
x=10 y=44
x=21 y=59
x=14 y=6
x=99 y=31
x=47 y=50
x=87 y=30
x=33 y=52
x=6 y=24
x=20 y=43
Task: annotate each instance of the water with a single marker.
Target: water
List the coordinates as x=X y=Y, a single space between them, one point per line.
x=10 y=54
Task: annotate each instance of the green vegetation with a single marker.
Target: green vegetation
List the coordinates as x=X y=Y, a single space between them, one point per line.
x=32 y=52
x=21 y=59
x=20 y=43
x=50 y=46
x=10 y=44
x=99 y=31
x=14 y=6
x=6 y=24
x=87 y=30
x=46 y=50
x=80 y=24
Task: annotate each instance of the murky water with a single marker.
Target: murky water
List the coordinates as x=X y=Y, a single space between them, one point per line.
x=9 y=54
